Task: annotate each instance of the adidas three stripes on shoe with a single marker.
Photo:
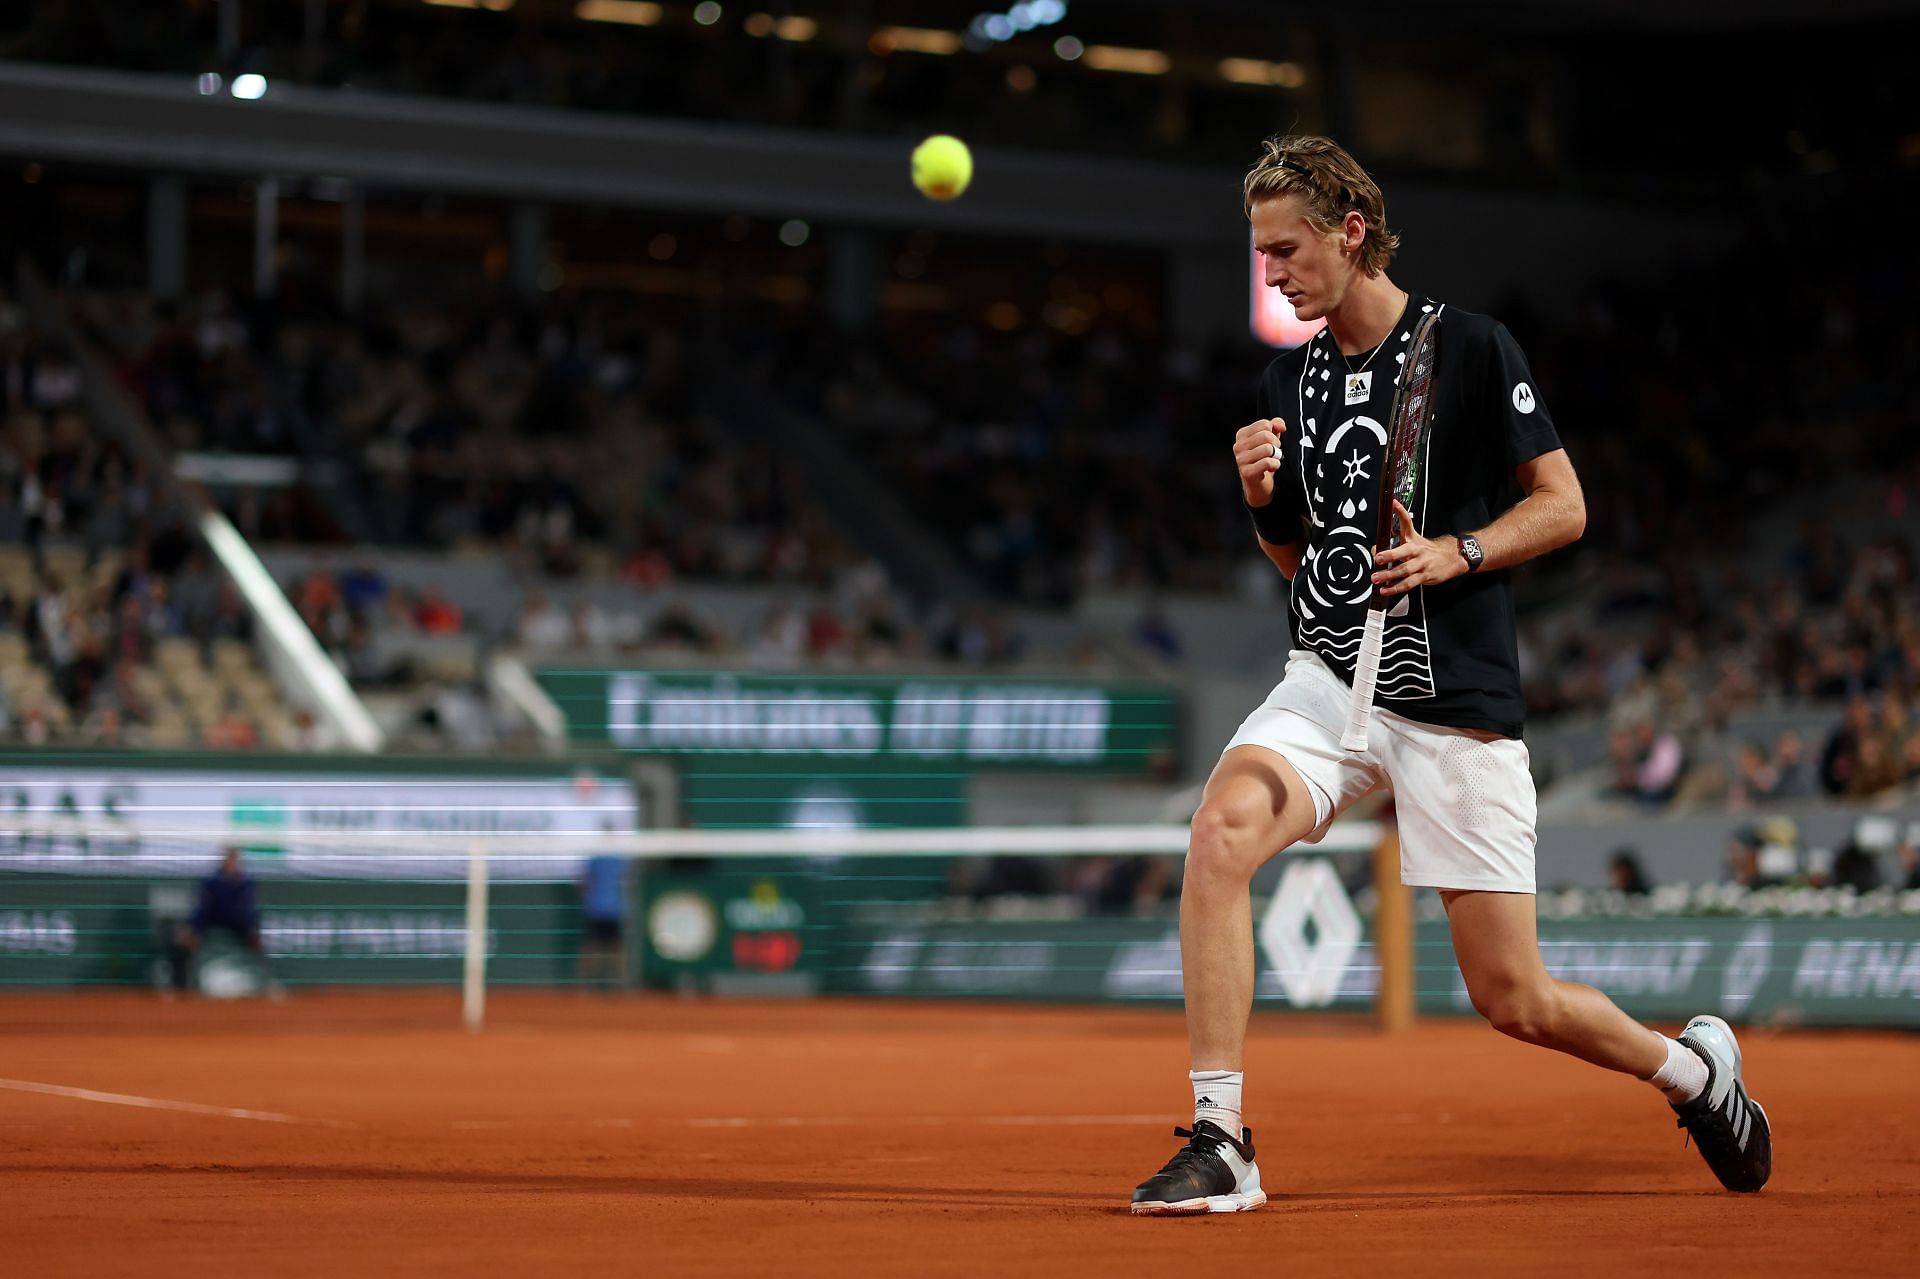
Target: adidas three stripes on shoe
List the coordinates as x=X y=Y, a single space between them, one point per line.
x=1728 y=1126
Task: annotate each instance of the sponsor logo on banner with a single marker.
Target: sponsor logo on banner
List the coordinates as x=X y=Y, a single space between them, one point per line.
x=1858 y=968
x=1001 y=722
x=1747 y=968
x=721 y=714
x=1147 y=969
x=176 y=821
x=766 y=929
x=1750 y=968
x=1628 y=965
x=682 y=926
x=763 y=908
x=1310 y=970
x=988 y=723
x=38 y=932
x=257 y=823
x=366 y=934
x=963 y=966
x=889 y=965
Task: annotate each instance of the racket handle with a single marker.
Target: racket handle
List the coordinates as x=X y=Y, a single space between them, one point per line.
x=1366 y=670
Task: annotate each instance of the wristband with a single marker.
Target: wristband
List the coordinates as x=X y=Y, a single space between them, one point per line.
x=1275 y=525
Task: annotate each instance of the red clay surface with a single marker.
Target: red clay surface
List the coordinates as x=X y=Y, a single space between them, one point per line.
x=658 y=1137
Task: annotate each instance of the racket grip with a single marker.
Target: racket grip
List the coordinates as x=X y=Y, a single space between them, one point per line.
x=1366 y=671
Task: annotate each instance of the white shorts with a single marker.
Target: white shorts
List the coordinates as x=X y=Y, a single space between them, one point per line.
x=1464 y=798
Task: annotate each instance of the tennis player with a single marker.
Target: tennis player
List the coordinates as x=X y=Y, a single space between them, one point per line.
x=1495 y=489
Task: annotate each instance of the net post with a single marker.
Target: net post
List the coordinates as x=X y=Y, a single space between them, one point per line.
x=473 y=983
x=1393 y=939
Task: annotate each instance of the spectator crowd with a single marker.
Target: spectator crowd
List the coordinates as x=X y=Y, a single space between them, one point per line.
x=113 y=631
x=560 y=435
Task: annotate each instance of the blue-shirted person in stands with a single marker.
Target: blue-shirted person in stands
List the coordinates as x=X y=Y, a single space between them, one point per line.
x=230 y=900
x=603 y=912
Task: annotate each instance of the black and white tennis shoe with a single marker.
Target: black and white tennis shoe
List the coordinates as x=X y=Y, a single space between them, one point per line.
x=1729 y=1127
x=1211 y=1173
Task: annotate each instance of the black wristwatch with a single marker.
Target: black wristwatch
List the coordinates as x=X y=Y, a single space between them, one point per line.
x=1472 y=552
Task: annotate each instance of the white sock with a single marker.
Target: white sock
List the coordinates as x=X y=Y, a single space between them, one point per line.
x=1216 y=1096
x=1684 y=1077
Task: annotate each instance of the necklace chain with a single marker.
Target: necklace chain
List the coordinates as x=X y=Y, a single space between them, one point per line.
x=1351 y=371
x=1378 y=346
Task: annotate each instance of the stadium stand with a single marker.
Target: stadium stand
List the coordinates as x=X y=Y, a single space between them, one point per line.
x=446 y=417
x=531 y=491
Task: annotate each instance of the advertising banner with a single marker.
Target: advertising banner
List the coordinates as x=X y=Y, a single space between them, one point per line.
x=972 y=723
x=1844 y=972
x=107 y=816
x=710 y=920
x=114 y=929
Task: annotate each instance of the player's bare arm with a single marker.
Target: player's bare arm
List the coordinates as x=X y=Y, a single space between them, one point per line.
x=1285 y=558
x=1551 y=515
x=1256 y=455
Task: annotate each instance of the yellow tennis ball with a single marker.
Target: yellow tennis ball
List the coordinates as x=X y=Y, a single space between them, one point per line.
x=942 y=167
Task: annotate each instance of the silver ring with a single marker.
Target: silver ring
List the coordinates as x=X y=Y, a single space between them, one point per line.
x=1276 y=450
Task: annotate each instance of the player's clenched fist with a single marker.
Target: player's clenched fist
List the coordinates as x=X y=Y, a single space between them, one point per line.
x=1256 y=451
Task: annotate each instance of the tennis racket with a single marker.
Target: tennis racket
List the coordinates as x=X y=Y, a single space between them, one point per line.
x=1407 y=426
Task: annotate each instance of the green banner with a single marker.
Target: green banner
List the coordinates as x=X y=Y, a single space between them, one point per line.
x=711 y=919
x=724 y=920
x=69 y=930
x=1843 y=972
x=969 y=723
x=702 y=921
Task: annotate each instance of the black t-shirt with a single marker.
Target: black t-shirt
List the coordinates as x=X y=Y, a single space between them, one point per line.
x=1449 y=655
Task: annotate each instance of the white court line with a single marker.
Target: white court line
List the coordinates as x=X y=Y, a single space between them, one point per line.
x=482 y=1125
x=161 y=1103
x=932 y=1121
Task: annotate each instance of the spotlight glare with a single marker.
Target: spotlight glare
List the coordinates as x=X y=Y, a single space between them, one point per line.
x=918 y=40
x=633 y=13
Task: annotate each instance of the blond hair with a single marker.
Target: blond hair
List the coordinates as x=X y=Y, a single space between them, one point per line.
x=1330 y=184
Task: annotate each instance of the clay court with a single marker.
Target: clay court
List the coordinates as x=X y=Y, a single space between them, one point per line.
x=365 y=1133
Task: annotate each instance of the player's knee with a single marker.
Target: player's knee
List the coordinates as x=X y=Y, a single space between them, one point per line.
x=1520 y=1010
x=1225 y=838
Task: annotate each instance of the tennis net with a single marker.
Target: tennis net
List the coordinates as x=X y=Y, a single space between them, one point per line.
x=1038 y=913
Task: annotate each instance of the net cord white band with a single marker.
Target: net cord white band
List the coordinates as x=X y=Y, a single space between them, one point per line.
x=563 y=845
